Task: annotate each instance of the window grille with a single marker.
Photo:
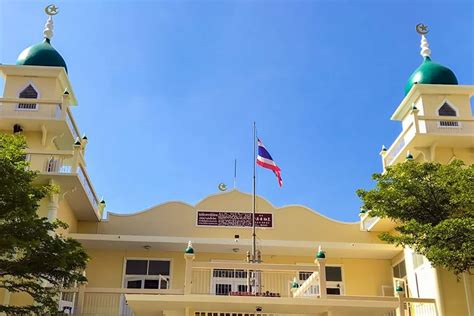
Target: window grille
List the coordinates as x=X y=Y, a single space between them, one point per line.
x=448 y=124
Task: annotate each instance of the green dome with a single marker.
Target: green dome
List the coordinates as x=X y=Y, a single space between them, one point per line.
x=431 y=73
x=42 y=54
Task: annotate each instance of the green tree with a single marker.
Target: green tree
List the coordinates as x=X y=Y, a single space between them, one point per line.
x=33 y=258
x=433 y=206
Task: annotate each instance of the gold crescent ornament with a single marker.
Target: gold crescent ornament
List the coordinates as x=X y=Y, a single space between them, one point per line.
x=422 y=29
x=51 y=10
x=222 y=187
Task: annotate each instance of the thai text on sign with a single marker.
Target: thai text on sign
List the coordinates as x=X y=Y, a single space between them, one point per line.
x=233 y=219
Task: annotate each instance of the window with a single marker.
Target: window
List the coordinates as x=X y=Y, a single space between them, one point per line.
x=418 y=260
x=225 y=281
x=399 y=270
x=28 y=93
x=334 y=274
x=147 y=274
x=446 y=110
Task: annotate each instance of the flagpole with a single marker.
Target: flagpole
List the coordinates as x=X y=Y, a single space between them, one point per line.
x=254 y=235
x=235 y=173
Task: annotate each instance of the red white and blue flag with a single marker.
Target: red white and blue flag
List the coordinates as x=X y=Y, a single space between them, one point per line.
x=265 y=160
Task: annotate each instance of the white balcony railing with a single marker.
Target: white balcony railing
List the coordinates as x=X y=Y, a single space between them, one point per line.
x=87 y=186
x=30 y=109
x=85 y=301
x=445 y=125
x=71 y=163
x=41 y=110
x=72 y=124
x=399 y=144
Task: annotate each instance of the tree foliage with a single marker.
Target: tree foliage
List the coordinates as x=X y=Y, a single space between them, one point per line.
x=33 y=258
x=433 y=206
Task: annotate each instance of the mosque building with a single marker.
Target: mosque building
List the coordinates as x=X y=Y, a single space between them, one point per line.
x=177 y=259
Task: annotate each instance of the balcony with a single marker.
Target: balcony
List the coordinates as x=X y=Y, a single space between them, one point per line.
x=53 y=115
x=271 y=292
x=423 y=131
x=67 y=168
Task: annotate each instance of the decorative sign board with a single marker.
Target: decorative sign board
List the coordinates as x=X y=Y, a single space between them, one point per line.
x=233 y=219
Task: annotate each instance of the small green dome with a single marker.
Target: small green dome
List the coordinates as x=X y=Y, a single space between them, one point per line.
x=321 y=255
x=42 y=54
x=431 y=73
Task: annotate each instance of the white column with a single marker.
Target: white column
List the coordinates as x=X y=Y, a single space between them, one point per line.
x=438 y=292
x=188 y=274
x=322 y=277
x=469 y=295
x=53 y=207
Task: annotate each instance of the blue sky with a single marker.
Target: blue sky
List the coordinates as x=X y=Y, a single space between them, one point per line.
x=168 y=90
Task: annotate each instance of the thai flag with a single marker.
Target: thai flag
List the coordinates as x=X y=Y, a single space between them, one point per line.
x=265 y=160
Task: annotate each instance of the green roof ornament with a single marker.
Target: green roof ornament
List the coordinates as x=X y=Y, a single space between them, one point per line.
x=189 y=249
x=429 y=72
x=399 y=288
x=294 y=284
x=321 y=254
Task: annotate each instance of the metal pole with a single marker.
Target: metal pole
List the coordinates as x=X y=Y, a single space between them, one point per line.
x=235 y=174
x=254 y=235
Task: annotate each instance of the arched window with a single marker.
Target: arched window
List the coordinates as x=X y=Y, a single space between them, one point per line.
x=28 y=93
x=446 y=110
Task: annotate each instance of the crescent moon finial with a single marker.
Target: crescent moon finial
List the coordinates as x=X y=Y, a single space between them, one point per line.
x=222 y=187
x=51 y=10
x=422 y=29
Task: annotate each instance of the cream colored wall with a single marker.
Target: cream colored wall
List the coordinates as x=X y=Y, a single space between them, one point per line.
x=361 y=276
x=66 y=214
x=179 y=219
x=453 y=293
x=444 y=154
x=48 y=87
x=431 y=102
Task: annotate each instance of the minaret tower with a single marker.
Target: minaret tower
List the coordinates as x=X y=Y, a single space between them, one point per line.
x=436 y=116
x=37 y=102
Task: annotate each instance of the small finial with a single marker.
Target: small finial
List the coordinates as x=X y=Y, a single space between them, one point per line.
x=409 y=156
x=384 y=148
x=425 y=46
x=77 y=142
x=294 y=283
x=50 y=10
x=321 y=253
x=189 y=249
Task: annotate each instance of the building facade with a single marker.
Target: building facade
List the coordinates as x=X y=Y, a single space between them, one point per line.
x=180 y=259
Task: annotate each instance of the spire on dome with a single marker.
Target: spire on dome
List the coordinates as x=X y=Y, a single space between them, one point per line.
x=425 y=46
x=50 y=10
